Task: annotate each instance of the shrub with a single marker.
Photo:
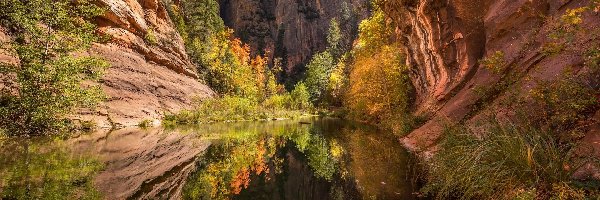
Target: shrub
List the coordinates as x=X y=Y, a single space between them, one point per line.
x=563 y=103
x=150 y=38
x=232 y=108
x=228 y=108
x=494 y=63
x=300 y=97
x=565 y=29
x=594 y=57
x=88 y=126
x=505 y=162
x=278 y=102
x=48 y=84
x=145 y=123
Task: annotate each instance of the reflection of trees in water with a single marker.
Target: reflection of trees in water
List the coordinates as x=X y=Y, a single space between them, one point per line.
x=45 y=170
x=228 y=166
x=381 y=168
x=324 y=160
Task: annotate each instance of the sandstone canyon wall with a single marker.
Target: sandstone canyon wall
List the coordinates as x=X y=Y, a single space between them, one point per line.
x=150 y=72
x=445 y=40
x=290 y=29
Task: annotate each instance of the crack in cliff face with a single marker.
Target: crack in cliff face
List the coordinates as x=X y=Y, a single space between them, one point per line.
x=443 y=42
x=423 y=52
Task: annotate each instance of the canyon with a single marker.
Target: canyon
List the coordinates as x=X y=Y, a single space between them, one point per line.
x=443 y=42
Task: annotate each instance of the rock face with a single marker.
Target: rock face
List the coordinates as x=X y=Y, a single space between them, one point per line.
x=290 y=29
x=444 y=41
x=150 y=72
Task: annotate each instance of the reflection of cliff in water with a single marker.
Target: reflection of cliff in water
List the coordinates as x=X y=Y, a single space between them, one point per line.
x=317 y=159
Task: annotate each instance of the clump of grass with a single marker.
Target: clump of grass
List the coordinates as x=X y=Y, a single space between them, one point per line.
x=145 y=123
x=506 y=162
x=3 y=136
x=88 y=126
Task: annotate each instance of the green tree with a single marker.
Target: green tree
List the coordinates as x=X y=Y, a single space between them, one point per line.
x=317 y=75
x=335 y=39
x=325 y=72
x=300 y=97
x=47 y=86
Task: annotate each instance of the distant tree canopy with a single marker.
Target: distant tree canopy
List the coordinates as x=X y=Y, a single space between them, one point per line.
x=47 y=84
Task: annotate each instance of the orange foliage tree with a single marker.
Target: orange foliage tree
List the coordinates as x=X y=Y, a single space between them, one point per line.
x=239 y=74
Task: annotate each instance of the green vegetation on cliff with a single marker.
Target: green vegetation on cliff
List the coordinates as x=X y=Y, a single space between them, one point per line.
x=535 y=152
x=46 y=83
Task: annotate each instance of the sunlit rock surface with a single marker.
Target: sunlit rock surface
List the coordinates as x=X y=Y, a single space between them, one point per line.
x=151 y=73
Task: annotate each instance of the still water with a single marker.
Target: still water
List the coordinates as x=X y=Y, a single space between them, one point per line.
x=297 y=159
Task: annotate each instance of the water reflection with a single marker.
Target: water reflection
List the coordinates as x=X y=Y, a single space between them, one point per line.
x=44 y=169
x=302 y=159
x=320 y=159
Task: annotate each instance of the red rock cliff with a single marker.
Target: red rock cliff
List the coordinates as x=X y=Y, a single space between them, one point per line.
x=444 y=41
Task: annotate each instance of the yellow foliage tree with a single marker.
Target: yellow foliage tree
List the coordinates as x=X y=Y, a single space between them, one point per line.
x=379 y=85
x=379 y=88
